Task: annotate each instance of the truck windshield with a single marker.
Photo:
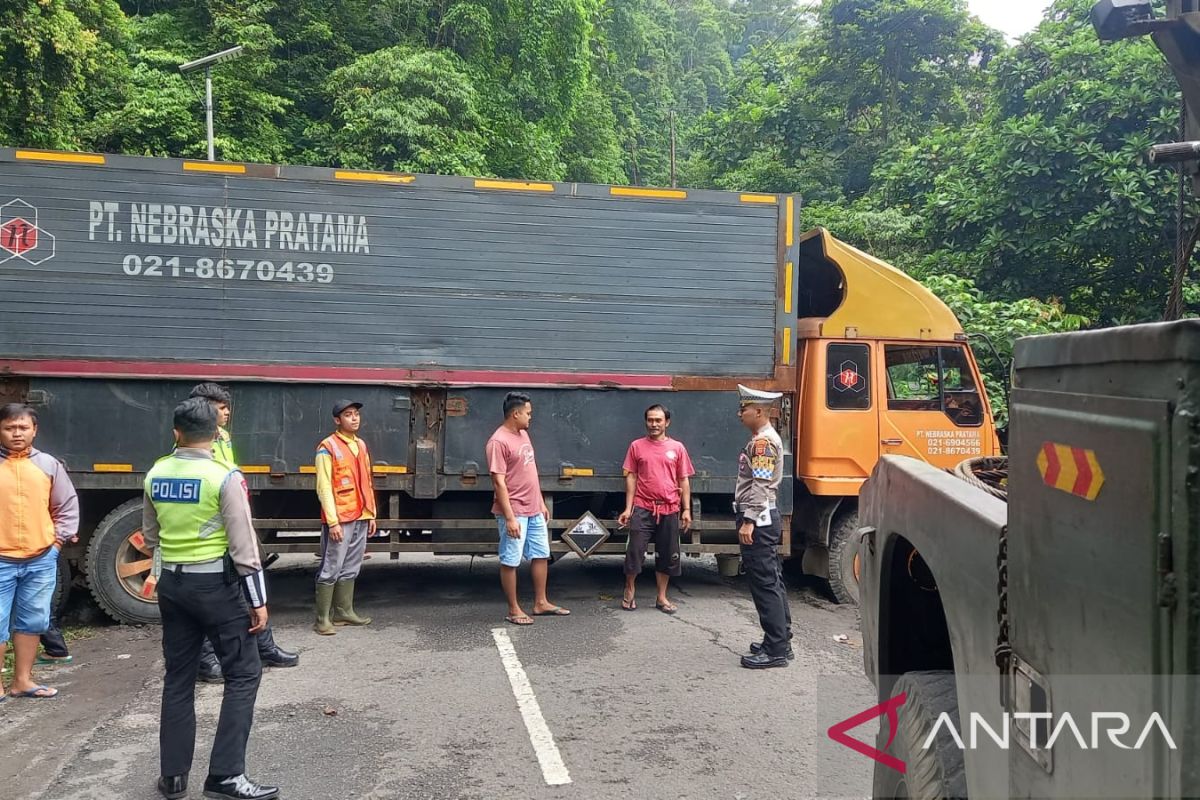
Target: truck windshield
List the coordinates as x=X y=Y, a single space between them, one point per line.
x=933 y=378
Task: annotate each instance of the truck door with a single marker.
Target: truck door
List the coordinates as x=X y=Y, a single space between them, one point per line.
x=934 y=409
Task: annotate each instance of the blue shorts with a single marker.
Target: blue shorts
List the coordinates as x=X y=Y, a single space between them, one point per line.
x=26 y=590
x=534 y=541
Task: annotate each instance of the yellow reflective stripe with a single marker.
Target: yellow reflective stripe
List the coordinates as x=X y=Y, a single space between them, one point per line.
x=308 y=470
x=214 y=166
x=112 y=467
x=66 y=158
x=787 y=288
x=759 y=198
x=789 y=226
x=787 y=346
x=662 y=194
x=518 y=186
x=386 y=469
x=379 y=177
x=255 y=469
x=578 y=472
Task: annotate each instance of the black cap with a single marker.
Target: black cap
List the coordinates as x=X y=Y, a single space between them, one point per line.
x=342 y=405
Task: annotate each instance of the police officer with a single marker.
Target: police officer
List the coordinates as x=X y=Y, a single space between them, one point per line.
x=271 y=654
x=760 y=531
x=196 y=518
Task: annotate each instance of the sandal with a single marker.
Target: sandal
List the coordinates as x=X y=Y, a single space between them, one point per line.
x=667 y=607
x=519 y=619
x=629 y=605
x=557 y=611
x=36 y=693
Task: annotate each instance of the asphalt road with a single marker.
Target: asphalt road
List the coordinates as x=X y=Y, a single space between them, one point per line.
x=420 y=703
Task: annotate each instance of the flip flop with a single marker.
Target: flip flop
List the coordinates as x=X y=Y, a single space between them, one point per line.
x=667 y=608
x=33 y=693
x=521 y=620
x=557 y=611
x=629 y=605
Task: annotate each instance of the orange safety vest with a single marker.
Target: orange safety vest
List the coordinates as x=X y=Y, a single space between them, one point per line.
x=353 y=487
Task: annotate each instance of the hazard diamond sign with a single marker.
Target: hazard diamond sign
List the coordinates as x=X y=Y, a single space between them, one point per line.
x=1073 y=470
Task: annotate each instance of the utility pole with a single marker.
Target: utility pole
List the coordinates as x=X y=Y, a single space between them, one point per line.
x=672 y=149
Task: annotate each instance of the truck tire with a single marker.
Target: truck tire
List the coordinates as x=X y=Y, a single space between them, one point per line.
x=118 y=565
x=936 y=773
x=62 y=586
x=843 y=558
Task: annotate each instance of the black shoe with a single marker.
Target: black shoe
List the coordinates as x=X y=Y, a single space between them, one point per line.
x=237 y=787
x=173 y=787
x=756 y=648
x=210 y=670
x=271 y=654
x=278 y=657
x=763 y=661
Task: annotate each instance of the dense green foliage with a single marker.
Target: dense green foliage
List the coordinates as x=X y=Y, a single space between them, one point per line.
x=994 y=171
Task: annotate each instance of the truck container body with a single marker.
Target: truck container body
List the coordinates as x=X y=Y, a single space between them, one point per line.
x=428 y=298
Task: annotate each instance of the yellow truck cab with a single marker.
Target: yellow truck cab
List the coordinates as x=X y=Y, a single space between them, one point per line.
x=884 y=369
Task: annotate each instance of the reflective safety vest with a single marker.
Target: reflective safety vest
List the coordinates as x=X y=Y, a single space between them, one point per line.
x=186 y=493
x=353 y=487
x=223 y=449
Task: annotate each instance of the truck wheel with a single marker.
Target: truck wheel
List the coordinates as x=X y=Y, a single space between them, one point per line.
x=62 y=585
x=936 y=773
x=118 y=565
x=844 y=560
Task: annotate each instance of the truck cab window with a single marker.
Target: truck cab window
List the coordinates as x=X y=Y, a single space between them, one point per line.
x=932 y=378
x=847 y=381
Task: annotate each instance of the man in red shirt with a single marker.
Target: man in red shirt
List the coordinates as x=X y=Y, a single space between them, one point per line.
x=520 y=509
x=658 y=500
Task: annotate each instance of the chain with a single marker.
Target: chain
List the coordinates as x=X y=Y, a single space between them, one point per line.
x=1003 y=648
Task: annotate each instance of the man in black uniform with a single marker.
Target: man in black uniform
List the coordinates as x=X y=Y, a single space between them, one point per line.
x=270 y=653
x=760 y=531
x=196 y=519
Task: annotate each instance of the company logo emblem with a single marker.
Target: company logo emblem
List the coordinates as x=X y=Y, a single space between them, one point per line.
x=848 y=378
x=21 y=236
x=839 y=732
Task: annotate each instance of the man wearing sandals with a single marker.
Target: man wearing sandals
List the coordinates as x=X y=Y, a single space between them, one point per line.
x=657 y=487
x=39 y=511
x=520 y=509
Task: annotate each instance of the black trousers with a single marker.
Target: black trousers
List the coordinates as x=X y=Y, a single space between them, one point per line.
x=195 y=606
x=53 y=642
x=761 y=560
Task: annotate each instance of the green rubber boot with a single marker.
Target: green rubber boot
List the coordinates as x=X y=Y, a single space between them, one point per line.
x=343 y=605
x=324 y=625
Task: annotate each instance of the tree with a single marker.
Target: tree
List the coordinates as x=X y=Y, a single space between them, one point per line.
x=1050 y=194
x=59 y=60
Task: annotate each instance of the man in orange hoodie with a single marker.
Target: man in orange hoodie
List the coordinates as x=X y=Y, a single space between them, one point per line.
x=39 y=511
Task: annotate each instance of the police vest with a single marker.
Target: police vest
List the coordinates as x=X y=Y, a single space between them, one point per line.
x=353 y=487
x=223 y=449
x=186 y=493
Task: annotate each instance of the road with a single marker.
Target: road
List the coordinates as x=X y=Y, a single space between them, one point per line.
x=420 y=703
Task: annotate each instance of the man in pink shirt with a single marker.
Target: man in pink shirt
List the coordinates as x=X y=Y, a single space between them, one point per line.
x=658 y=500
x=520 y=510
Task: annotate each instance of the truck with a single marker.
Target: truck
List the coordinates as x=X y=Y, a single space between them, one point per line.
x=1030 y=623
x=427 y=298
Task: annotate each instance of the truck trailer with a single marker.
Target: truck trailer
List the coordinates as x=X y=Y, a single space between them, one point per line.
x=427 y=298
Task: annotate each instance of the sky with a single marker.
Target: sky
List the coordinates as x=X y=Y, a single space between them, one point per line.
x=1013 y=17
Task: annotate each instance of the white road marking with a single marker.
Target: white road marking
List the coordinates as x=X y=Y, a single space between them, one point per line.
x=553 y=768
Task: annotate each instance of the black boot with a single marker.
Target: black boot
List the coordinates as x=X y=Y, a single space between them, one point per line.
x=173 y=787
x=764 y=661
x=756 y=648
x=210 y=667
x=271 y=654
x=237 y=787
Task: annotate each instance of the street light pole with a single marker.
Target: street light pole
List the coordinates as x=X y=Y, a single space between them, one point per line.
x=208 y=110
x=207 y=64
